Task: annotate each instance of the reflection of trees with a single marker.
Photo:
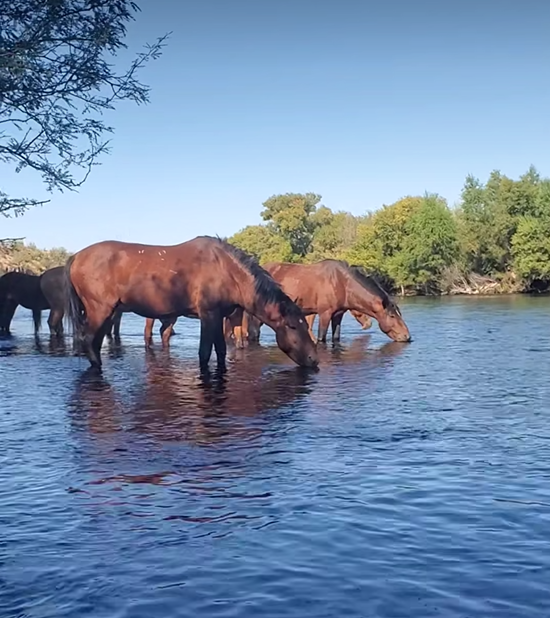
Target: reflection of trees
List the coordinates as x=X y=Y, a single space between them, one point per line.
x=176 y=403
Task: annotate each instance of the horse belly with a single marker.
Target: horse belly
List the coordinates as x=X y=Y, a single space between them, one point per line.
x=152 y=300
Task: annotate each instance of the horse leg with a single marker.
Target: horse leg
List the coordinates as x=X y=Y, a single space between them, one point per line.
x=220 y=344
x=212 y=335
x=236 y=322
x=116 y=325
x=254 y=326
x=8 y=311
x=55 y=322
x=206 y=342
x=148 y=332
x=227 y=329
x=336 y=323
x=245 y=331
x=310 y=319
x=98 y=324
x=166 y=330
x=324 y=321
x=37 y=319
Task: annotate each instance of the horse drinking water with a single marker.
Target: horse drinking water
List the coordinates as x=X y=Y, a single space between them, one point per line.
x=331 y=287
x=204 y=278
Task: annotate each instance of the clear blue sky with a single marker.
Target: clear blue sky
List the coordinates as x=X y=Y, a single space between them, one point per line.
x=362 y=102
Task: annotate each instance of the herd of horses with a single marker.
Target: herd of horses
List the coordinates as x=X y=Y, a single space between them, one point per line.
x=207 y=279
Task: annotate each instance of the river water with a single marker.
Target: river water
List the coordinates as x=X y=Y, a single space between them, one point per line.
x=400 y=481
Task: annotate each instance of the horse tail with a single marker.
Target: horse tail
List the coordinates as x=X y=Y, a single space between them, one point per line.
x=74 y=308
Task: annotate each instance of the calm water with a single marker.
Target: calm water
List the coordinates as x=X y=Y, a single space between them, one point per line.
x=399 y=481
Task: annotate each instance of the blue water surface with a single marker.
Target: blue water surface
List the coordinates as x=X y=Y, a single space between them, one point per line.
x=400 y=481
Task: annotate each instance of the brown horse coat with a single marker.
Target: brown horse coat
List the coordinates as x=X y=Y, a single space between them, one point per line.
x=204 y=278
x=331 y=287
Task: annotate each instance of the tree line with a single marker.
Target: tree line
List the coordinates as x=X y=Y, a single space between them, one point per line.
x=495 y=240
x=57 y=79
x=29 y=258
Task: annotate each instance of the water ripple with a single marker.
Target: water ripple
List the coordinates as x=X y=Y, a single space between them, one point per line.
x=399 y=481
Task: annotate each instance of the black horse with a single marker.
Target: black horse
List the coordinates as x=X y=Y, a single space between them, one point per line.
x=39 y=293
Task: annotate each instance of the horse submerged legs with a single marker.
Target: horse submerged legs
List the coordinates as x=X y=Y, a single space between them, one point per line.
x=148 y=332
x=55 y=322
x=166 y=330
x=98 y=324
x=116 y=325
x=220 y=344
x=7 y=311
x=336 y=323
x=236 y=326
x=212 y=335
x=310 y=319
x=37 y=319
x=324 y=321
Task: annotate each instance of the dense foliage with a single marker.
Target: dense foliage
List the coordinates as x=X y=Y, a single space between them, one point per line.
x=497 y=239
x=30 y=259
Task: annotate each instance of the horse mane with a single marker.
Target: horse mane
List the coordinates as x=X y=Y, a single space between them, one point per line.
x=265 y=286
x=367 y=281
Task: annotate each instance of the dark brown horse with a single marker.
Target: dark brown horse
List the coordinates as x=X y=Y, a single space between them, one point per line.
x=34 y=292
x=38 y=293
x=331 y=287
x=204 y=278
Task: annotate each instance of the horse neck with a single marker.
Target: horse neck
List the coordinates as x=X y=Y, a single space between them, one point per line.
x=244 y=294
x=267 y=312
x=359 y=298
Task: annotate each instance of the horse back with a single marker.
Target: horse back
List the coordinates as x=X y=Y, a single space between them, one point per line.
x=23 y=289
x=155 y=280
x=317 y=287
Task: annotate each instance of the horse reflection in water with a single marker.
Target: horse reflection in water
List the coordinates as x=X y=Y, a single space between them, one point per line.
x=175 y=403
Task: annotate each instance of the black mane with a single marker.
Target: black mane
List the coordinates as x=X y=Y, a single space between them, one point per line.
x=359 y=274
x=266 y=287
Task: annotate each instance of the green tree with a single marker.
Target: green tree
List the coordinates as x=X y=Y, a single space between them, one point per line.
x=431 y=243
x=474 y=222
x=56 y=81
x=531 y=249
x=263 y=243
x=489 y=214
x=381 y=238
x=290 y=216
x=334 y=234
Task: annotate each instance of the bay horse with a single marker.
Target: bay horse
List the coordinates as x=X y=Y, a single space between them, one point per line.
x=205 y=278
x=166 y=330
x=331 y=287
x=235 y=326
x=336 y=322
x=247 y=328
